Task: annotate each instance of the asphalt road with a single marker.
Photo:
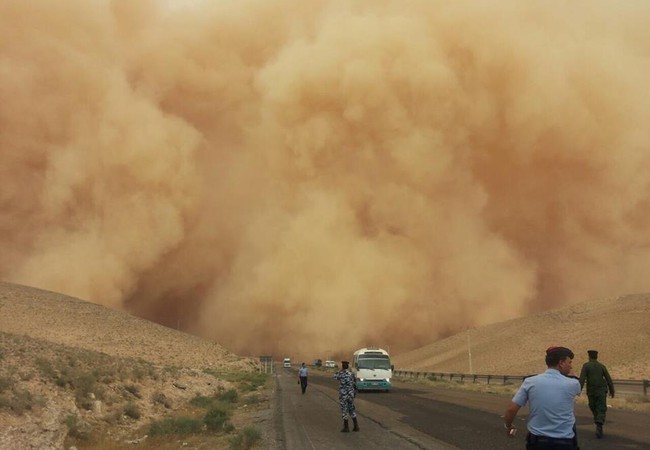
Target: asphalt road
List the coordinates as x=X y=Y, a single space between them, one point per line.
x=412 y=416
x=313 y=421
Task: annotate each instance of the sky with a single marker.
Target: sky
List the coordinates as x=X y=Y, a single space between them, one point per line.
x=319 y=176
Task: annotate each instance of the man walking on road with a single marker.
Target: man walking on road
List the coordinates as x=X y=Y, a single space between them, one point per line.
x=302 y=377
x=346 y=396
x=598 y=381
x=551 y=396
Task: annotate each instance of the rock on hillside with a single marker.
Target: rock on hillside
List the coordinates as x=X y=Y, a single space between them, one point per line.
x=618 y=328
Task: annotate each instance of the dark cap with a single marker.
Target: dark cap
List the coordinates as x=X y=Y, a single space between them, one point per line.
x=563 y=351
x=345 y=364
x=592 y=353
x=556 y=354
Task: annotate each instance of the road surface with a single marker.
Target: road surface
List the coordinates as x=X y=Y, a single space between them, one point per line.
x=413 y=416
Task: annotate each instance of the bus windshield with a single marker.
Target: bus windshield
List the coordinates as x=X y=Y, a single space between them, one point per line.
x=374 y=362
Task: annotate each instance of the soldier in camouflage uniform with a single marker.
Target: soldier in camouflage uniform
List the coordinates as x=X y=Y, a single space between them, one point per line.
x=598 y=380
x=347 y=388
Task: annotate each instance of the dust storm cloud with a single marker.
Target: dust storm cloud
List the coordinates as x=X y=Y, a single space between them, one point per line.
x=312 y=176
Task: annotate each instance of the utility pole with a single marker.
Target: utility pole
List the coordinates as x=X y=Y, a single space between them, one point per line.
x=469 y=353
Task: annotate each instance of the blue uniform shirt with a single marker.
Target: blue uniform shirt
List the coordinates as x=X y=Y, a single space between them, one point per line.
x=551 y=398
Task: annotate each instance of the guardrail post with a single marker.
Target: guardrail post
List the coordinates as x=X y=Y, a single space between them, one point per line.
x=489 y=378
x=646 y=383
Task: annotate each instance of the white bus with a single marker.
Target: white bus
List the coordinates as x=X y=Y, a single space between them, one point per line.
x=372 y=369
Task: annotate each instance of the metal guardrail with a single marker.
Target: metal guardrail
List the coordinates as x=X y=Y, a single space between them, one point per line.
x=503 y=379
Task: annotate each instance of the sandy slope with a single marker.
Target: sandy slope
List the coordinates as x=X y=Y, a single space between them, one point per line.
x=618 y=328
x=64 y=320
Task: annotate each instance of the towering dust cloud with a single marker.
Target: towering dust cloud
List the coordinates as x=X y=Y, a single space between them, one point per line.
x=312 y=176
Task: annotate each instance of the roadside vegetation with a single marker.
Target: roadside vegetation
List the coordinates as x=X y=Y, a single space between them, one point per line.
x=111 y=402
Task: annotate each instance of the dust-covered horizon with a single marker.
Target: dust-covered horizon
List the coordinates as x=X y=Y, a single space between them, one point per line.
x=316 y=176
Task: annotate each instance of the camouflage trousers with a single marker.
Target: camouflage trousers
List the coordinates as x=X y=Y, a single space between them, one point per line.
x=346 y=401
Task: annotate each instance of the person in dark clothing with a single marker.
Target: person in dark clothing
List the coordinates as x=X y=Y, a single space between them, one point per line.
x=598 y=382
x=347 y=392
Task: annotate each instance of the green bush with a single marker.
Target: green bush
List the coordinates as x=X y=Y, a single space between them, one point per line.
x=45 y=368
x=83 y=384
x=229 y=396
x=142 y=371
x=254 y=381
x=202 y=401
x=253 y=398
x=76 y=428
x=131 y=410
x=216 y=418
x=175 y=425
x=228 y=427
x=245 y=439
x=6 y=383
x=19 y=401
x=159 y=398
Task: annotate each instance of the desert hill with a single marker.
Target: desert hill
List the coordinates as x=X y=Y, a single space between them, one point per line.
x=72 y=322
x=76 y=374
x=619 y=328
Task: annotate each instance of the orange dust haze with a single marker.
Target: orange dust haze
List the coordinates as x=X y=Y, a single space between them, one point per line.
x=314 y=176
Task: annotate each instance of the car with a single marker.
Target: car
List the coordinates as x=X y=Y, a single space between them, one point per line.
x=286 y=362
x=330 y=364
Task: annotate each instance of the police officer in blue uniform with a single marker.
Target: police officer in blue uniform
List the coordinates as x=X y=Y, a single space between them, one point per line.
x=302 y=377
x=551 y=398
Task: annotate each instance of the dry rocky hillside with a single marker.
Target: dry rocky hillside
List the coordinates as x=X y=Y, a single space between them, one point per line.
x=618 y=328
x=78 y=375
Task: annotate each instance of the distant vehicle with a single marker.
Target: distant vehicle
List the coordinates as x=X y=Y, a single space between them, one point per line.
x=329 y=363
x=286 y=362
x=317 y=363
x=372 y=369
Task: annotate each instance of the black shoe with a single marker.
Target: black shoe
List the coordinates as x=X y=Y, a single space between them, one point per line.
x=346 y=428
x=599 y=430
x=356 y=424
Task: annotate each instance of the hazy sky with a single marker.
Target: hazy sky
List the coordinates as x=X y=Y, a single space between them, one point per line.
x=285 y=176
